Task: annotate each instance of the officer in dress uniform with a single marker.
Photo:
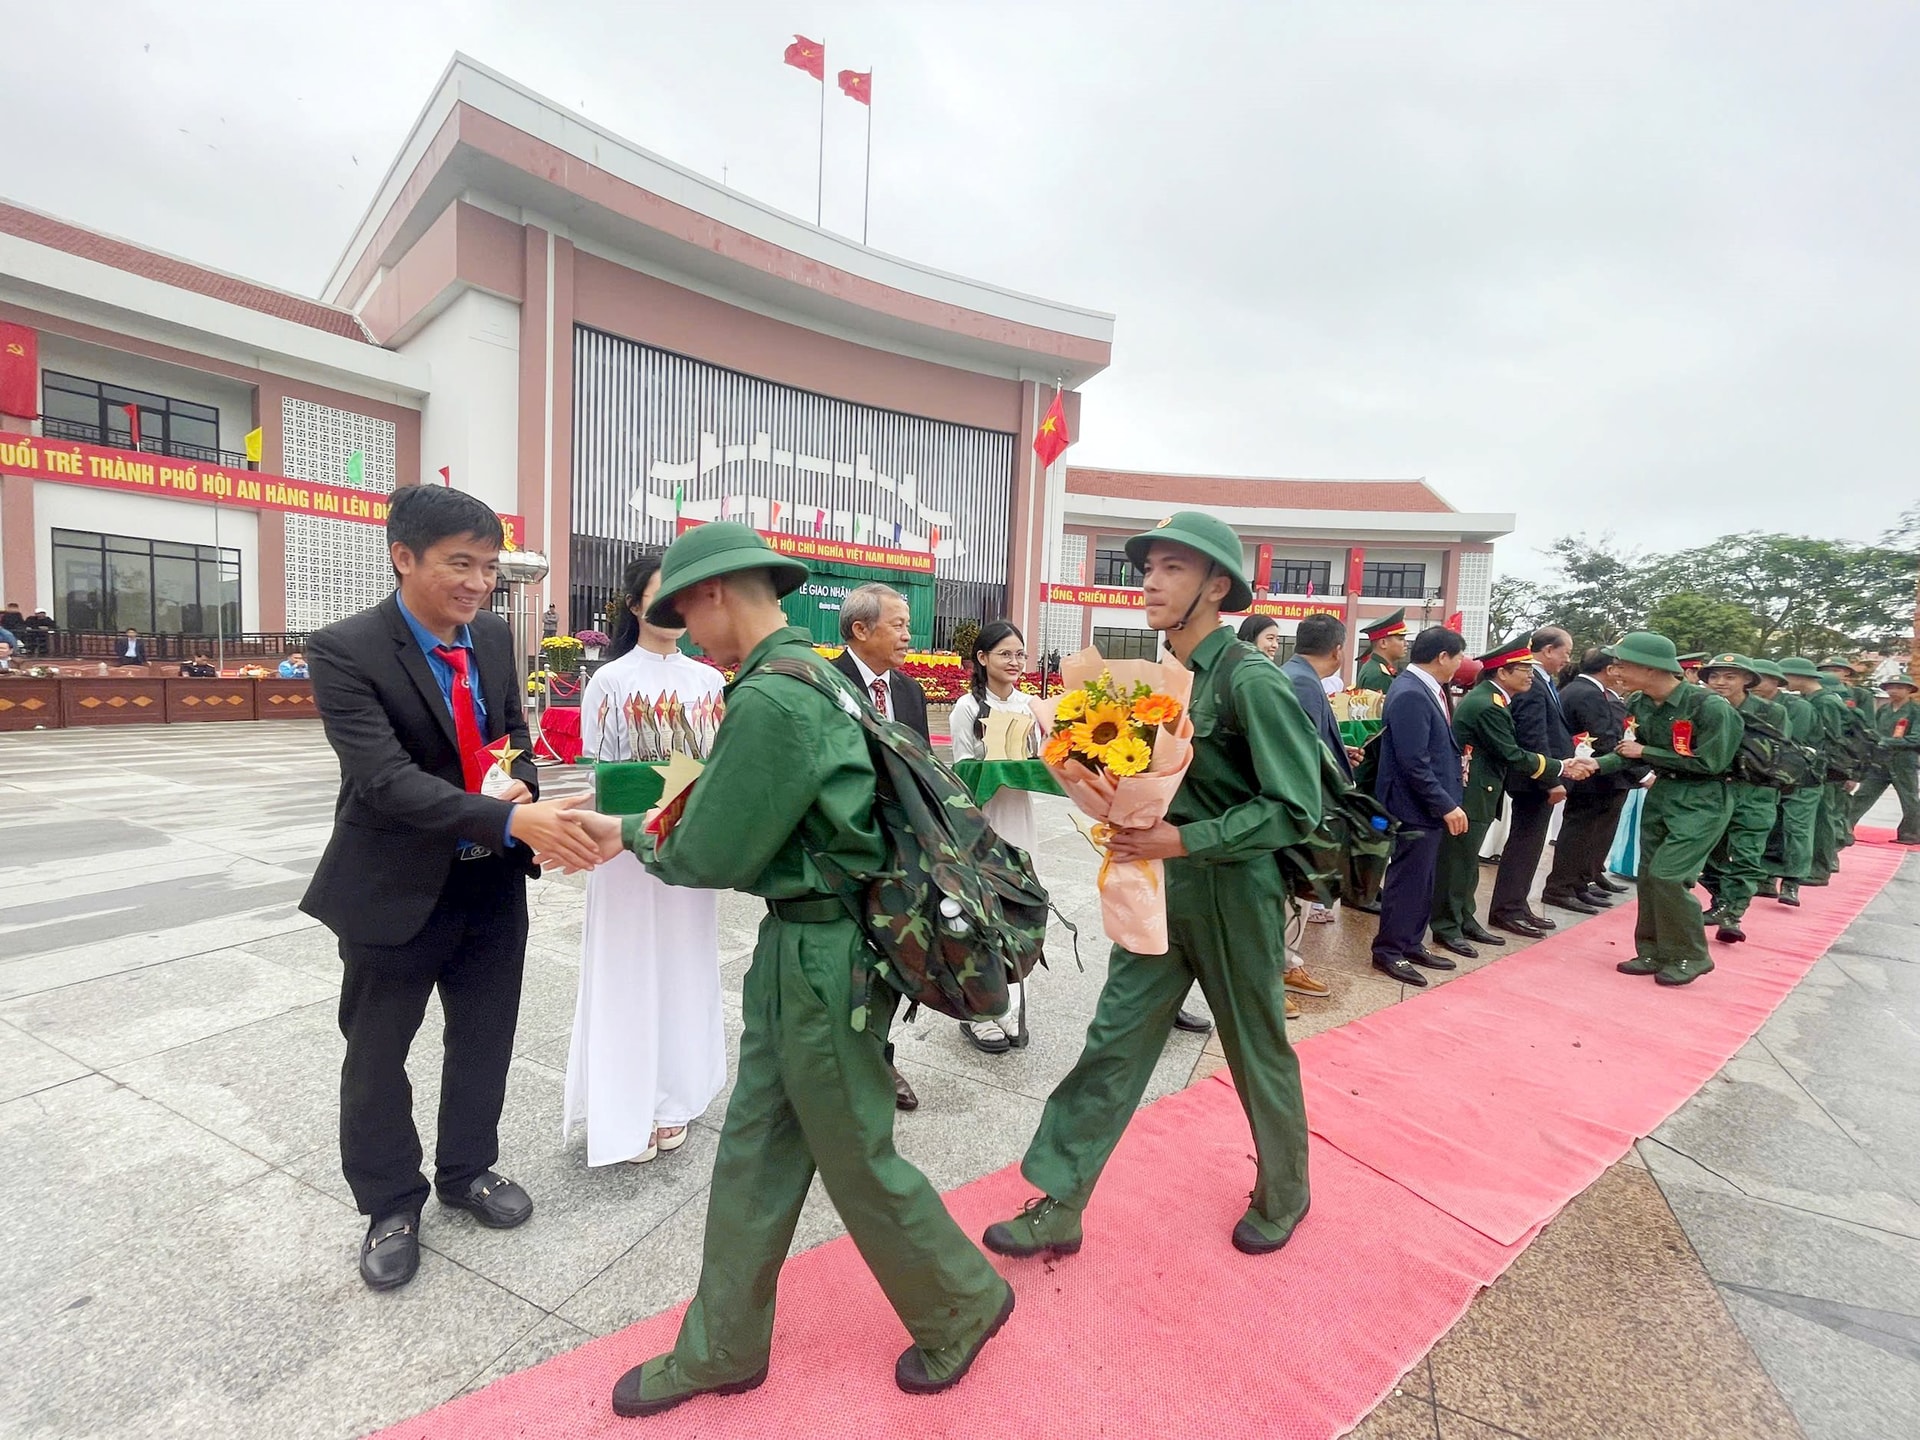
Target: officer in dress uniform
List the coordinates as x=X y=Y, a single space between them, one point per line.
x=1252 y=788
x=790 y=779
x=1690 y=664
x=1386 y=652
x=1688 y=736
x=1738 y=866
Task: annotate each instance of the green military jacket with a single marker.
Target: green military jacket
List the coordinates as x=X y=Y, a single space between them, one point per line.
x=1829 y=703
x=1898 y=726
x=1375 y=674
x=1249 y=793
x=1706 y=746
x=1484 y=725
x=789 y=772
x=1803 y=722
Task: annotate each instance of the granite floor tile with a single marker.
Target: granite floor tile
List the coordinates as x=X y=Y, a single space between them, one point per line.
x=122 y=1017
x=1544 y=1352
x=27 y=1064
x=1398 y=1417
x=1841 y=1388
x=551 y=1336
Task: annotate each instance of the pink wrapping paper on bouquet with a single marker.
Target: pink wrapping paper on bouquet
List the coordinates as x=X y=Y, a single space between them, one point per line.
x=1133 y=893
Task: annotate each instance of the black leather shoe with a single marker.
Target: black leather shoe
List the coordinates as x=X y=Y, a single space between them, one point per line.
x=903 y=1096
x=1611 y=885
x=1518 y=925
x=1575 y=903
x=1594 y=895
x=1193 y=1024
x=1400 y=970
x=910 y=1370
x=493 y=1200
x=1539 y=921
x=1479 y=934
x=1730 y=932
x=1458 y=947
x=391 y=1252
x=1420 y=955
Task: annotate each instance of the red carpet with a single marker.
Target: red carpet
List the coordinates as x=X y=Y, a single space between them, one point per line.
x=1468 y=1116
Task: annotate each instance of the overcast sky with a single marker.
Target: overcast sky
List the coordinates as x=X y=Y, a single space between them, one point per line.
x=1642 y=266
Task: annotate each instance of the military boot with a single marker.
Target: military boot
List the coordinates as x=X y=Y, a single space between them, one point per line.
x=1638 y=965
x=659 y=1385
x=1044 y=1226
x=1682 y=972
x=1790 y=892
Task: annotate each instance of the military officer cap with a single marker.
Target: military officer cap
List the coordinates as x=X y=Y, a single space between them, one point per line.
x=1508 y=652
x=1730 y=661
x=1689 y=661
x=1799 y=665
x=1387 y=627
x=1836 y=662
x=1644 y=647
x=1211 y=537
x=1765 y=669
x=707 y=552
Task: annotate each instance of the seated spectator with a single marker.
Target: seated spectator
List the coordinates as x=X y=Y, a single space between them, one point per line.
x=294 y=667
x=6 y=657
x=200 y=667
x=9 y=639
x=38 y=629
x=130 y=649
x=12 y=617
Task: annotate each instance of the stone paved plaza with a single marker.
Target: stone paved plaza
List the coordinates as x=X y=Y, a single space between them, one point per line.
x=179 y=1244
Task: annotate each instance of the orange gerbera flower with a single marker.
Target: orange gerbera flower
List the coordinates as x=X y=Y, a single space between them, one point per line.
x=1104 y=724
x=1058 y=747
x=1157 y=710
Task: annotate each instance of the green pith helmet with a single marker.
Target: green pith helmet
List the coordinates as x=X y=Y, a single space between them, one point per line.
x=1766 y=669
x=1730 y=661
x=1208 y=535
x=709 y=551
x=1837 y=662
x=1643 y=647
x=1906 y=680
x=1801 y=666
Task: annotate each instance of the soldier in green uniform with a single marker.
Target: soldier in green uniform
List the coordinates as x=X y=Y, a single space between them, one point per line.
x=1897 y=726
x=1858 y=696
x=1790 y=843
x=1386 y=652
x=1484 y=724
x=1842 y=675
x=1253 y=787
x=1827 y=693
x=1689 y=736
x=790 y=779
x=1806 y=814
x=1738 y=866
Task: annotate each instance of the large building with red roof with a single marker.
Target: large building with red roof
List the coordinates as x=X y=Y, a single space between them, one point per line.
x=604 y=347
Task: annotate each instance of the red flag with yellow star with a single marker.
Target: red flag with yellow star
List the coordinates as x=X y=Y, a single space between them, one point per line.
x=808 y=55
x=1050 y=441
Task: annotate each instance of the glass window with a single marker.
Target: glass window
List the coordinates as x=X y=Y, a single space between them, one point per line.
x=1292 y=577
x=108 y=582
x=75 y=409
x=1394 y=582
x=1114 y=644
x=1111 y=567
x=191 y=430
x=79 y=588
x=164 y=422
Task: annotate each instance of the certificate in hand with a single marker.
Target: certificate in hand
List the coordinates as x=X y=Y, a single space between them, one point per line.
x=676 y=787
x=1009 y=735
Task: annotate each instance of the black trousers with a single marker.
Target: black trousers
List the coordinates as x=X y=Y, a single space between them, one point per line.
x=1406 y=899
x=1527 y=819
x=1586 y=835
x=473 y=950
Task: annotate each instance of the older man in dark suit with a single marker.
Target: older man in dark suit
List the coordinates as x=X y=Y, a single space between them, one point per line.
x=424 y=878
x=1419 y=782
x=1540 y=725
x=1592 y=708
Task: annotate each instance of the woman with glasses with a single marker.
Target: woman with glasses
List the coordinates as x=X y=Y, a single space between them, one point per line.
x=999 y=662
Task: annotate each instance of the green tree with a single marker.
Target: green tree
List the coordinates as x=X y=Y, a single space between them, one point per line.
x=1802 y=594
x=1511 y=605
x=1701 y=622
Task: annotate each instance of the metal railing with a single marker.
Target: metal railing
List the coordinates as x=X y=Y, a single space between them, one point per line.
x=98 y=645
x=53 y=429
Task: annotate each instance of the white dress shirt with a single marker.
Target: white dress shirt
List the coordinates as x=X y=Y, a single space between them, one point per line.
x=867 y=677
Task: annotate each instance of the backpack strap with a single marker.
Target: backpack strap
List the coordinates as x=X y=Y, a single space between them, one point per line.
x=1236 y=654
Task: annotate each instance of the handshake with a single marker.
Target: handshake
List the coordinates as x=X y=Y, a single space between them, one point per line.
x=1577 y=768
x=562 y=833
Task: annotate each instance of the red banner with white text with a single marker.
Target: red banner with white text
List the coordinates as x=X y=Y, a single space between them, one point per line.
x=835 y=552
x=1100 y=597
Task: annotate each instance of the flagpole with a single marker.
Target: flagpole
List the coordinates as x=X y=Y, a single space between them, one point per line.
x=820 y=167
x=866 y=195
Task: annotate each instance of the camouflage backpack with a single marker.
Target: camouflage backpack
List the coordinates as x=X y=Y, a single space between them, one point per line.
x=1345 y=858
x=956 y=913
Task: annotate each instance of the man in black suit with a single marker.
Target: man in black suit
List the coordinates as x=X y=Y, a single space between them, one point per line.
x=877 y=626
x=1540 y=726
x=1419 y=783
x=130 y=649
x=424 y=878
x=1592 y=708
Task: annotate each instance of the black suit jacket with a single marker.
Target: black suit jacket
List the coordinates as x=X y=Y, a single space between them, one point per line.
x=1419 y=777
x=130 y=652
x=1592 y=712
x=403 y=808
x=1540 y=725
x=909 y=700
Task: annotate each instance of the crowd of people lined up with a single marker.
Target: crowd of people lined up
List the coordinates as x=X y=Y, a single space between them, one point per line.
x=439 y=824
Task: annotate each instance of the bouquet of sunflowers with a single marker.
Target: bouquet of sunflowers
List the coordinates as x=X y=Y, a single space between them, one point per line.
x=1119 y=744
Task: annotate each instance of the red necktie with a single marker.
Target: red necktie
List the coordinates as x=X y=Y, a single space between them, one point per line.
x=880 y=695
x=466 y=728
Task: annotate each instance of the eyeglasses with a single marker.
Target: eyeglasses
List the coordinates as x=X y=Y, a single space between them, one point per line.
x=1008 y=655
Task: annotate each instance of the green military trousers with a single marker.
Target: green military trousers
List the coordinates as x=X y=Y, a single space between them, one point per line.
x=1738 y=866
x=1900 y=772
x=814 y=1092
x=1456 y=881
x=1792 y=847
x=1226 y=928
x=1682 y=821
x=1835 y=810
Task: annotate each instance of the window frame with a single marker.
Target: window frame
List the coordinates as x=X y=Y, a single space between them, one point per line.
x=1373 y=579
x=105 y=549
